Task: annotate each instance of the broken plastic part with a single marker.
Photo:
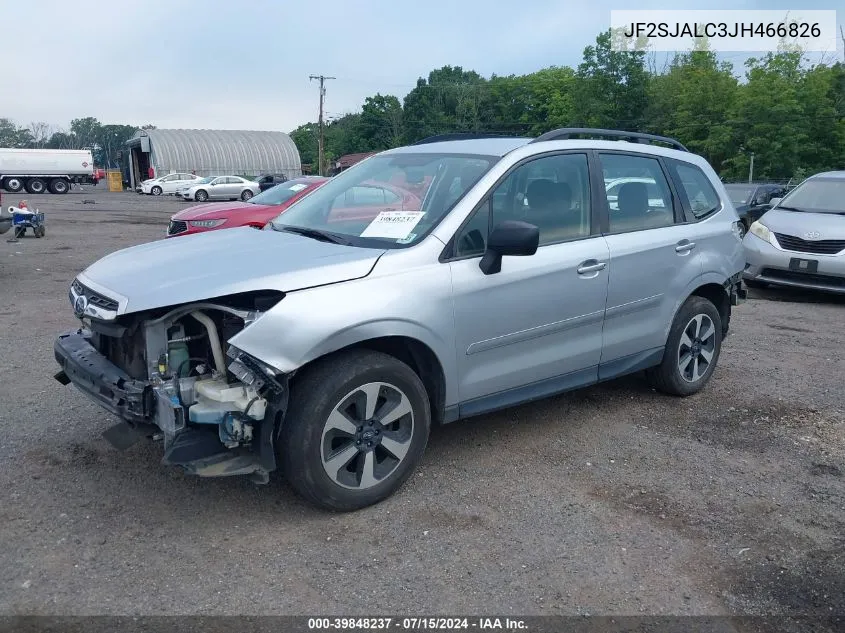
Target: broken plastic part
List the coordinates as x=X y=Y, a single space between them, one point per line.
x=215 y=398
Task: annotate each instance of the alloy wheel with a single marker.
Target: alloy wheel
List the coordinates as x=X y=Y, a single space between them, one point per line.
x=367 y=435
x=697 y=347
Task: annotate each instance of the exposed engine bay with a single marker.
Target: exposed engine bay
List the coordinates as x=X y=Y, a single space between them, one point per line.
x=170 y=374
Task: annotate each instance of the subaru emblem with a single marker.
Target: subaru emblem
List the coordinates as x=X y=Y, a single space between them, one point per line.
x=79 y=305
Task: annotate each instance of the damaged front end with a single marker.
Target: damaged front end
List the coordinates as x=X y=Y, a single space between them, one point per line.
x=166 y=375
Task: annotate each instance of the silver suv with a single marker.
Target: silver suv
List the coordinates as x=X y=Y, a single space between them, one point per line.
x=425 y=284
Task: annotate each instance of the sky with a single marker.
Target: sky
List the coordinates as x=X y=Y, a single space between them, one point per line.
x=225 y=65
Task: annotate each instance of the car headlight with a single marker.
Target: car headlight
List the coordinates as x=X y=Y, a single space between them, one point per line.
x=762 y=231
x=206 y=224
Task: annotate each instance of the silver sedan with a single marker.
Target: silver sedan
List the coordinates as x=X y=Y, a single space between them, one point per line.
x=800 y=241
x=220 y=188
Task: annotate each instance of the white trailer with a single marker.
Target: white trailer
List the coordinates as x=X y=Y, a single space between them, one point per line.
x=42 y=170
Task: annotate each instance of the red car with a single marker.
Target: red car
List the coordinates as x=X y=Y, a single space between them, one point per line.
x=255 y=212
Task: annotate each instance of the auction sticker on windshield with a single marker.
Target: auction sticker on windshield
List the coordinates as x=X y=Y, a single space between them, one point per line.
x=393 y=224
x=297 y=187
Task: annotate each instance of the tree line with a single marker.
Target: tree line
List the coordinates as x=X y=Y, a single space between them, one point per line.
x=786 y=112
x=105 y=141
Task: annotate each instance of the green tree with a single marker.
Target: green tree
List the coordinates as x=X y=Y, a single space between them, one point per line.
x=612 y=91
x=87 y=131
x=380 y=126
x=768 y=120
x=305 y=137
x=693 y=101
x=12 y=135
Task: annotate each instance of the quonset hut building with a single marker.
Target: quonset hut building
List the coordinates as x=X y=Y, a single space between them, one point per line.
x=209 y=153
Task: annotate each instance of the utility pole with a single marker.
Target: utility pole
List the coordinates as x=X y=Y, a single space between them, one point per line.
x=751 y=169
x=320 y=148
x=842 y=35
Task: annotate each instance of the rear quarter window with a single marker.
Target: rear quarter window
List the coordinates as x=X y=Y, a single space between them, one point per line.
x=696 y=188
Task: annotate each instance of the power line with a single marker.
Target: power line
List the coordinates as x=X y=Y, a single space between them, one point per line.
x=320 y=161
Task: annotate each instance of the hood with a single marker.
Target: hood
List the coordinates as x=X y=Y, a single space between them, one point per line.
x=218 y=263
x=219 y=209
x=829 y=226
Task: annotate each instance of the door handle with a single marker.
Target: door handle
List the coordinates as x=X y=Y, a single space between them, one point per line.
x=591 y=266
x=684 y=246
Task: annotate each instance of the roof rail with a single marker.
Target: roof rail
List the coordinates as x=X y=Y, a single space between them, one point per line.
x=636 y=137
x=461 y=136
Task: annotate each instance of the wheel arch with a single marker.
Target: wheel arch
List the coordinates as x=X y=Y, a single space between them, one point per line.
x=412 y=351
x=711 y=287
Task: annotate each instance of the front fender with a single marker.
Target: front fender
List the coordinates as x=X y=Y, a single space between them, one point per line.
x=309 y=324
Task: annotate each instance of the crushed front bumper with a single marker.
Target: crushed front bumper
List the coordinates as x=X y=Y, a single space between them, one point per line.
x=196 y=448
x=100 y=379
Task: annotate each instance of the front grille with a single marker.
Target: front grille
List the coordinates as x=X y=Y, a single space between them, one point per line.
x=95 y=299
x=176 y=227
x=820 y=247
x=803 y=278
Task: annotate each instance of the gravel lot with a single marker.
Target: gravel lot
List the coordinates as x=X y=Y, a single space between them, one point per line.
x=611 y=500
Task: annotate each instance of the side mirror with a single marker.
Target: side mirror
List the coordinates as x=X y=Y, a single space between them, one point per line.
x=773 y=201
x=509 y=238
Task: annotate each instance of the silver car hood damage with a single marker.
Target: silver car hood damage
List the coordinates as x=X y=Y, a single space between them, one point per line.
x=218 y=263
x=807 y=226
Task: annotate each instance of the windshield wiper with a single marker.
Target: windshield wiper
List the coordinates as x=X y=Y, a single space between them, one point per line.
x=323 y=236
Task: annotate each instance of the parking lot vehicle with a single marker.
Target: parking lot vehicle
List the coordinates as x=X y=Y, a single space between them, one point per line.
x=255 y=212
x=751 y=200
x=328 y=343
x=44 y=170
x=800 y=241
x=268 y=181
x=168 y=184
x=220 y=188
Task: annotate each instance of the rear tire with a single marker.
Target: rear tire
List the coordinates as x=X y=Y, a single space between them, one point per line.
x=59 y=186
x=357 y=426
x=36 y=185
x=692 y=349
x=201 y=196
x=246 y=195
x=39 y=231
x=13 y=185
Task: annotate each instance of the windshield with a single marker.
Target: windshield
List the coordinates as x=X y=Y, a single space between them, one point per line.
x=280 y=193
x=819 y=195
x=388 y=201
x=739 y=195
x=203 y=181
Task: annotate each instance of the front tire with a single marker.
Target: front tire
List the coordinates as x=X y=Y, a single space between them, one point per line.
x=692 y=349
x=13 y=185
x=357 y=426
x=201 y=196
x=36 y=185
x=156 y=191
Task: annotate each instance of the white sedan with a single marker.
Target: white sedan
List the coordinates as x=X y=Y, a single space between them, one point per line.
x=220 y=188
x=168 y=184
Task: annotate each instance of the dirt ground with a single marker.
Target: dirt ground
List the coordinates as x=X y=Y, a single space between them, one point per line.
x=611 y=500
